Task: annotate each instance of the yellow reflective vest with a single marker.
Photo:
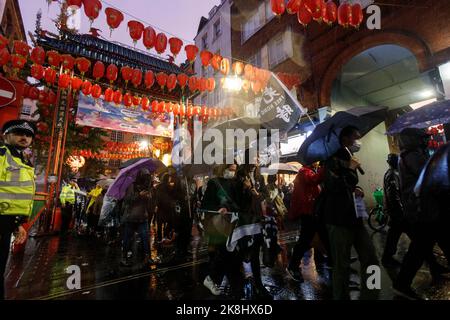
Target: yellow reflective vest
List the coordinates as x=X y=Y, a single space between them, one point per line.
x=17 y=186
x=67 y=195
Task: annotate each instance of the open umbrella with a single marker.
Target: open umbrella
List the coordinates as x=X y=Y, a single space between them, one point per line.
x=281 y=168
x=105 y=183
x=128 y=175
x=427 y=116
x=324 y=140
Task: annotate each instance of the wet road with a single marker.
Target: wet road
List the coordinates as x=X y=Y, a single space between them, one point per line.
x=40 y=273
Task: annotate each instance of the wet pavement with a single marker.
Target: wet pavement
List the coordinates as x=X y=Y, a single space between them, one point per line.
x=40 y=273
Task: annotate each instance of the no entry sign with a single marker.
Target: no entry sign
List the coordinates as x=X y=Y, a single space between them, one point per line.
x=8 y=92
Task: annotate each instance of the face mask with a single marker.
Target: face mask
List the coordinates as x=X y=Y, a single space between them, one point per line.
x=356 y=147
x=227 y=174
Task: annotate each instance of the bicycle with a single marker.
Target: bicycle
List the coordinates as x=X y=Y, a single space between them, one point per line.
x=378 y=219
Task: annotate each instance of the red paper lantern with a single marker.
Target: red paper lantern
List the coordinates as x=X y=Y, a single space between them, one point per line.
x=154 y=106
x=86 y=88
x=249 y=73
x=4 y=56
x=278 y=7
x=191 y=52
x=67 y=62
x=99 y=70
x=145 y=103
x=50 y=76
x=161 y=78
x=127 y=73
x=42 y=127
x=149 y=79
x=203 y=84
x=238 y=68
x=182 y=80
x=4 y=42
x=54 y=58
x=193 y=83
x=171 y=82
x=344 y=14
x=176 y=109
x=182 y=110
x=215 y=61
x=42 y=96
x=256 y=87
x=51 y=98
x=38 y=55
x=161 y=106
x=18 y=62
x=149 y=37
x=204 y=111
x=33 y=94
x=92 y=9
x=357 y=16
x=64 y=80
x=74 y=4
x=109 y=95
x=136 y=78
x=127 y=100
x=246 y=85
x=161 y=43
x=111 y=73
x=211 y=85
x=304 y=16
x=114 y=18
x=330 y=12
x=21 y=48
x=83 y=65
x=320 y=11
x=136 y=29
x=313 y=6
x=206 y=57
x=117 y=97
x=37 y=71
x=136 y=100
x=293 y=6
x=96 y=91
x=225 y=66
x=175 y=46
x=168 y=107
x=76 y=83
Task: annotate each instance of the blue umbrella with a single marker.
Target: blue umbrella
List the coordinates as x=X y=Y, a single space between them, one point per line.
x=427 y=116
x=324 y=140
x=128 y=175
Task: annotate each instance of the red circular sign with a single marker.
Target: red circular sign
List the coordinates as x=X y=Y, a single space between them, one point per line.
x=7 y=92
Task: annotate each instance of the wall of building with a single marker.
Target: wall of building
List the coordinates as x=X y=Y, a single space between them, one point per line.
x=11 y=25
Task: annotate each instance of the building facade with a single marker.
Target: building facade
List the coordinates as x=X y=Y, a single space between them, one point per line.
x=11 y=25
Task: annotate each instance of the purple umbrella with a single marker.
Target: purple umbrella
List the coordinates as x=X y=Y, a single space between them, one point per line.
x=128 y=175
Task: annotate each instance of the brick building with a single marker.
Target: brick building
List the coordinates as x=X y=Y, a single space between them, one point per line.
x=11 y=25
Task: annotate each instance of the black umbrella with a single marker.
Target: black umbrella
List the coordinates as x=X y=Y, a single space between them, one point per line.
x=324 y=140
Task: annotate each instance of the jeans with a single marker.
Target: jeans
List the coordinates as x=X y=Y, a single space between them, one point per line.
x=341 y=241
x=66 y=217
x=142 y=229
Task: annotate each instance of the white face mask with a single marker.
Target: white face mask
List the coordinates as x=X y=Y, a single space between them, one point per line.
x=356 y=147
x=227 y=174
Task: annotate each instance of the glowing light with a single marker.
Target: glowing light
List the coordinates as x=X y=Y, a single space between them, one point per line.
x=143 y=144
x=166 y=159
x=232 y=83
x=75 y=163
x=428 y=93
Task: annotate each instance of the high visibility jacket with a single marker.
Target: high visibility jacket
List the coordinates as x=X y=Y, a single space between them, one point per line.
x=67 y=195
x=17 y=185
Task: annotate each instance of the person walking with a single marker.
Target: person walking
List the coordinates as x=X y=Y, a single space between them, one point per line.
x=67 y=198
x=17 y=188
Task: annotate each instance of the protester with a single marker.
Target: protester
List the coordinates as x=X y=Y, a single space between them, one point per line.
x=67 y=198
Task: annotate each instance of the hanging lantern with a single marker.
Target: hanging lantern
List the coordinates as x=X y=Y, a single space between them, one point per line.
x=330 y=12
x=249 y=73
x=304 y=16
x=161 y=78
x=357 y=16
x=293 y=6
x=278 y=7
x=171 y=82
x=238 y=68
x=149 y=79
x=182 y=80
x=76 y=83
x=53 y=58
x=175 y=46
x=127 y=74
x=98 y=70
x=161 y=106
x=136 y=100
x=176 y=109
x=193 y=83
x=83 y=65
x=50 y=76
x=111 y=73
x=67 y=62
x=320 y=11
x=64 y=81
x=21 y=48
x=42 y=96
x=191 y=52
x=33 y=94
x=38 y=55
x=37 y=71
x=203 y=84
x=42 y=127
x=168 y=107
x=109 y=94
x=96 y=91
x=154 y=106
x=215 y=61
x=211 y=84
x=92 y=9
x=344 y=14
x=161 y=43
x=4 y=42
x=246 y=85
x=127 y=100
x=4 y=57
x=182 y=110
x=206 y=57
x=145 y=103
x=313 y=6
x=225 y=66
x=114 y=18
x=86 y=88
x=149 y=38
x=117 y=97
x=136 y=78
x=256 y=87
x=136 y=29
x=74 y=4
x=189 y=111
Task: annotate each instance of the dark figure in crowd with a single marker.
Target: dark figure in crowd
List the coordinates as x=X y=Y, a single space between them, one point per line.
x=67 y=198
x=422 y=230
x=135 y=216
x=306 y=190
x=394 y=209
x=16 y=178
x=172 y=210
x=218 y=197
x=345 y=228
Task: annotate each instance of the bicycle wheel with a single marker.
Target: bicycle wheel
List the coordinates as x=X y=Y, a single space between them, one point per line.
x=378 y=220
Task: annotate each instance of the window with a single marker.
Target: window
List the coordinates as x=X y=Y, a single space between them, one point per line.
x=217 y=30
x=255 y=59
x=205 y=42
x=117 y=136
x=262 y=15
x=277 y=52
x=114 y=163
x=137 y=137
x=26 y=110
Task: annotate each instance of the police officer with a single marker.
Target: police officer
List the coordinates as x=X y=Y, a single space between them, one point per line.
x=67 y=198
x=17 y=188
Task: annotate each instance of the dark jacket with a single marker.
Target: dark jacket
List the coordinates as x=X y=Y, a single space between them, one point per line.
x=135 y=206
x=339 y=185
x=172 y=205
x=392 y=196
x=218 y=195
